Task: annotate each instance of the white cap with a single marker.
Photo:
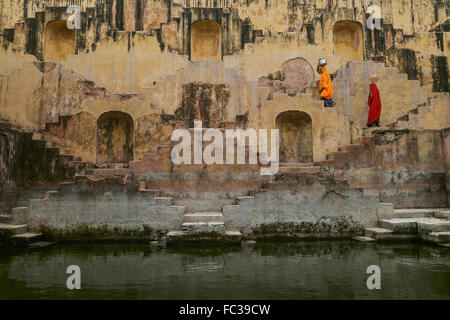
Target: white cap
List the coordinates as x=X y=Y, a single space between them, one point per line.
x=322 y=62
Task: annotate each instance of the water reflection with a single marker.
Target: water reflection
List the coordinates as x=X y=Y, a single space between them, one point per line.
x=306 y=270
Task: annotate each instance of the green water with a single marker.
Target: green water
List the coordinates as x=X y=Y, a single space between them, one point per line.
x=306 y=270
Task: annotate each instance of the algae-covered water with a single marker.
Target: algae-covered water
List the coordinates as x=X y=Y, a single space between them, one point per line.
x=305 y=270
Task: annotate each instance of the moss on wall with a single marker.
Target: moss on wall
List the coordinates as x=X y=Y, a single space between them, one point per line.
x=323 y=228
x=105 y=233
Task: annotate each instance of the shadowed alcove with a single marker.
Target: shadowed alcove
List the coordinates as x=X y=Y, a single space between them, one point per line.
x=114 y=137
x=206 y=41
x=348 y=40
x=296 y=138
x=59 y=41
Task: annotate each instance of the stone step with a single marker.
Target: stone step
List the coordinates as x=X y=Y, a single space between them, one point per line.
x=5 y=218
x=413 y=213
x=245 y=199
x=434 y=225
x=204 y=227
x=399 y=225
x=377 y=233
x=152 y=192
x=438 y=237
x=231 y=237
x=203 y=217
x=164 y=200
x=13 y=229
x=407 y=225
x=24 y=239
x=364 y=239
x=382 y=234
x=368 y=132
x=185 y=233
x=412 y=225
x=442 y=214
x=19 y=215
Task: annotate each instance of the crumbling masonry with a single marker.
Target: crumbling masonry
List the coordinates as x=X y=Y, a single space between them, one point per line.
x=87 y=114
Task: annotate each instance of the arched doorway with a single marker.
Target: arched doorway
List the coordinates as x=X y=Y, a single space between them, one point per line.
x=114 y=137
x=348 y=40
x=59 y=41
x=296 y=137
x=206 y=41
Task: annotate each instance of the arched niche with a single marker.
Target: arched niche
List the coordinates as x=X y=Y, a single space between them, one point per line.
x=296 y=137
x=59 y=41
x=115 y=137
x=348 y=40
x=206 y=41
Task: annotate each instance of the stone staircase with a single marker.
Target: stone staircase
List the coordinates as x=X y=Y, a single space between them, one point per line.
x=68 y=160
x=51 y=164
x=430 y=225
x=419 y=109
x=203 y=227
x=360 y=154
x=351 y=88
x=197 y=226
x=420 y=118
x=17 y=235
x=14 y=230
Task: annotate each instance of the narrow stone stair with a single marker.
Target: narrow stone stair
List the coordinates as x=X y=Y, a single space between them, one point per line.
x=430 y=225
x=16 y=235
x=203 y=227
x=358 y=155
x=5 y=218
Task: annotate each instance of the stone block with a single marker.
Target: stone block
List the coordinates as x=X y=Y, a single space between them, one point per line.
x=204 y=227
x=385 y=210
x=19 y=215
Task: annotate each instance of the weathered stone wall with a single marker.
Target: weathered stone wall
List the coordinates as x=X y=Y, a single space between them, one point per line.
x=9 y=154
x=111 y=206
x=407 y=30
x=25 y=162
x=329 y=126
x=303 y=206
x=446 y=147
x=409 y=169
x=135 y=57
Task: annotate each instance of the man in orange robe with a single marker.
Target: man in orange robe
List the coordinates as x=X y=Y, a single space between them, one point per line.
x=325 y=85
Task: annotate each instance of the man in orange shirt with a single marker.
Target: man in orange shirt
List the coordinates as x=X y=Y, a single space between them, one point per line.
x=325 y=85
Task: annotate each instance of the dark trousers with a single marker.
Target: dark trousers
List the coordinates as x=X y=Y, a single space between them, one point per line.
x=374 y=124
x=328 y=103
